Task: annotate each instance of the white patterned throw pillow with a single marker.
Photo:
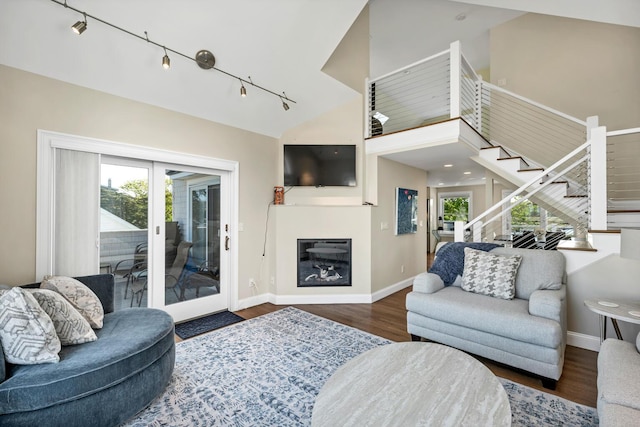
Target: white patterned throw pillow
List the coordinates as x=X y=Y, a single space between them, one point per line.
x=70 y=326
x=489 y=274
x=79 y=295
x=27 y=333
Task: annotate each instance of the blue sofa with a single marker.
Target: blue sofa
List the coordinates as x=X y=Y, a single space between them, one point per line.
x=101 y=383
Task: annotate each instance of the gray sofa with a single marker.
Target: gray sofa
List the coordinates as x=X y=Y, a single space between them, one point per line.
x=100 y=383
x=527 y=332
x=619 y=383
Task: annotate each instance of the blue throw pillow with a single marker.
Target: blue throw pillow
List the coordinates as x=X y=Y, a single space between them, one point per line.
x=449 y=263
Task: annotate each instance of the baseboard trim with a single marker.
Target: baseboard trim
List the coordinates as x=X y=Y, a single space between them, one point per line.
x=320 y=299
x=324 y=299
x=383 y=293
x=253 y=301
x=588 y=342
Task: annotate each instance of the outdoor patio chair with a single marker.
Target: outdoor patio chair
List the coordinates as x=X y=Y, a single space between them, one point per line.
x=173 y=274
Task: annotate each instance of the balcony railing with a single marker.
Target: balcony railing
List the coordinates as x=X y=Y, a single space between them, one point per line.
x=445 y=86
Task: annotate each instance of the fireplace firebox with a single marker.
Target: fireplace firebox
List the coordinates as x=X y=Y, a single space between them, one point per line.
x=324 y=262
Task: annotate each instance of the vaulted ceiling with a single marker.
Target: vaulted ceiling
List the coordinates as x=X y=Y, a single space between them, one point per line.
x=279 y=44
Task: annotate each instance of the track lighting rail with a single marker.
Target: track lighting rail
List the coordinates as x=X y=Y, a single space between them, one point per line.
x=283 y=97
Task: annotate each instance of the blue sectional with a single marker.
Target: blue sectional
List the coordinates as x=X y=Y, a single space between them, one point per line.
x=101 y=383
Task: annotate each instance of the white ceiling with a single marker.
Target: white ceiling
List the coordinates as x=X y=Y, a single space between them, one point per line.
x=281 y=44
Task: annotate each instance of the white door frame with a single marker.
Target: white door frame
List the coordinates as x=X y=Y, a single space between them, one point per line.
x=48 y=141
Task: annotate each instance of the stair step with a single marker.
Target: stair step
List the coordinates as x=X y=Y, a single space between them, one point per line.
x=531 y=170
x=575 y=245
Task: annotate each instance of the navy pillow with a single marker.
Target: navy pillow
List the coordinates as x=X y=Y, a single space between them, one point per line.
x=449 y=263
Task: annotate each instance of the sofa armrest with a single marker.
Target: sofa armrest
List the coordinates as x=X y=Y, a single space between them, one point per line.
x=427 y=283
x=549 y=304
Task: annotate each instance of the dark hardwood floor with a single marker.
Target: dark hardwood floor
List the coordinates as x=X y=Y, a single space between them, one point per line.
x=387 y=318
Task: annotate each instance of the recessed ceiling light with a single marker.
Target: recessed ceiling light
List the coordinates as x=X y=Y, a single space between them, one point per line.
x=448 y=166
x=441 y=183
x=467 y=173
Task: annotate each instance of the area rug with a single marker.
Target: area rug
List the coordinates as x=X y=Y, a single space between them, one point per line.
x=267 y=371
x=205 y=324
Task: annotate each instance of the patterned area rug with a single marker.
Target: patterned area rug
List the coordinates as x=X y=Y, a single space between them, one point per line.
x=205 y=324
x=268 y=370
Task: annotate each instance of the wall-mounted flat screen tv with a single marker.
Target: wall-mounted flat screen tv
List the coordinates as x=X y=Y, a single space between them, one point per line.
x=320 y=165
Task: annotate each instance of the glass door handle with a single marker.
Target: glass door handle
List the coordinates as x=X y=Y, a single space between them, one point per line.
x=226 y=243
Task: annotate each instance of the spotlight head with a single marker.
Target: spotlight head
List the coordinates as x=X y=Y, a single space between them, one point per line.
x=166 y=62
x=79 y=27
x=285 y=106
x=243 y=91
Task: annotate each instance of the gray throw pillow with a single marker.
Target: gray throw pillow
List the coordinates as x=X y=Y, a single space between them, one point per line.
x=489 y=274
x=79 y=295
x=26 y=331
x=71 y=327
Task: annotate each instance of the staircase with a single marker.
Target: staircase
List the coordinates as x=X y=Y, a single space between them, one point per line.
x=527 y=139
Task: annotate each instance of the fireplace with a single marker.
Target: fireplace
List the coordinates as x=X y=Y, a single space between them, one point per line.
x=324 y=262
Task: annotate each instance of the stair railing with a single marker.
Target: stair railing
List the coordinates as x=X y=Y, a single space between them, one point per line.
x=582 y=206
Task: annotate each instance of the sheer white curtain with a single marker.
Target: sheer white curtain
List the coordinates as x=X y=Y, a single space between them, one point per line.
x=77 y=213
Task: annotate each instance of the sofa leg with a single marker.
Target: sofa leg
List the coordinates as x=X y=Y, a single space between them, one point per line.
x=549 y=383
x=415 y=338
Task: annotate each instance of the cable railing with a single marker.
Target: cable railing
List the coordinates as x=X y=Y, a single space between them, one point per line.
x=623 y=178
x=537 y=132
x=561 y=193
x=469 y=89
x=416 y=95
x=445 y=86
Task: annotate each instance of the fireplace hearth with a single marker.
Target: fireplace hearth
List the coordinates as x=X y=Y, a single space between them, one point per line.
x=324 y=262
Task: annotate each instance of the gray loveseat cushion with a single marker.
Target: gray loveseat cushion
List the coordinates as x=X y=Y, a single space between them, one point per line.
x=538 y=270
x=616 y=361
x=506 y=318
x=94 y=366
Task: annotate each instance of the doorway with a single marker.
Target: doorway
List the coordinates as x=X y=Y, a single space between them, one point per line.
x=188 y=266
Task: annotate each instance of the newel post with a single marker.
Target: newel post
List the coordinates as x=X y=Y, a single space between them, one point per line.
x=598 y=174
x=455 y=66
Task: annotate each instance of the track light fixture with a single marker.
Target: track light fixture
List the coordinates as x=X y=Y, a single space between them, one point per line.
x=166 y=62
x=203 y=58
x=80 y=26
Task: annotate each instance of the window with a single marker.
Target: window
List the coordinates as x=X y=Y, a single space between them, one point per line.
x=528 y=216
x=453 y=207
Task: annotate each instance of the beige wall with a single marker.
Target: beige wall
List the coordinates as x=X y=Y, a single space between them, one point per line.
x=349 y=62
x=581 y=68
x=321 y=222
x=390 y=252
x=29 y=102
x=342 y=125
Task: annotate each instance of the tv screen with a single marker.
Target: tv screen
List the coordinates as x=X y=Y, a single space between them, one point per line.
x=320 y=165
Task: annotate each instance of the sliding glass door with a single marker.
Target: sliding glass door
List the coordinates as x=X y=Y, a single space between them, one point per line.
x=191 y=235
x=167 y=214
